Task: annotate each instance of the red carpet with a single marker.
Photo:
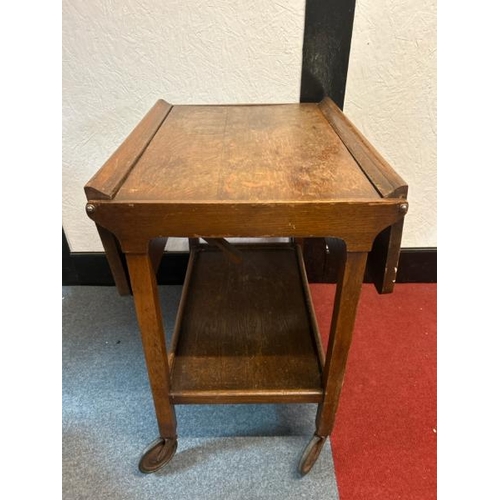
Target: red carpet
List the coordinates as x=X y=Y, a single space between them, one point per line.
x=384 y=440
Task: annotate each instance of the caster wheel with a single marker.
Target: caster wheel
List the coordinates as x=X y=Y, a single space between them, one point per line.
x=311 y=454
x=158 y=454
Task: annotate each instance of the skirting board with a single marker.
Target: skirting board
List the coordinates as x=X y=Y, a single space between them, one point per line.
x=416 y=265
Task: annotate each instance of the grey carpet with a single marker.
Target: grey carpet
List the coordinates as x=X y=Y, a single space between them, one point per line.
x=224 y=451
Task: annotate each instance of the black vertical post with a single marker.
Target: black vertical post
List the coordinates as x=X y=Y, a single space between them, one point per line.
x=327 y=43
x=325 y=60
x=69 y=274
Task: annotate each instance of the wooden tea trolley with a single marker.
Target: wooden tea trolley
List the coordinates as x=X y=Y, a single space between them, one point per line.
x=245 y=330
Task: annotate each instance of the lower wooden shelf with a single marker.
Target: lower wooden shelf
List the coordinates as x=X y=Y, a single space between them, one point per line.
x=246 y=332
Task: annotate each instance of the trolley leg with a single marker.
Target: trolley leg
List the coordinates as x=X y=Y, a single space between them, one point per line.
x=148 y=312
x=344 y=316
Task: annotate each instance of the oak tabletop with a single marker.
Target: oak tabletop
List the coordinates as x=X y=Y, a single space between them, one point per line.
x=262 y=170
x=246 y=153
x=307 y=152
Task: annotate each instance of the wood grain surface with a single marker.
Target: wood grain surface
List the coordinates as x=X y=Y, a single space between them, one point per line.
x=356 y=222
x=116 y=260
x=246 y=153
x=383 y=177
x=246 y=332
x=108 y=180
x=383 y=260
x=347 y=295
x=150 y=321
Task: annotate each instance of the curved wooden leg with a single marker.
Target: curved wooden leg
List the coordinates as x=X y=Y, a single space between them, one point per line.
x=148 y=311
x=344 y=316
x=311 y=454
x=116 y=260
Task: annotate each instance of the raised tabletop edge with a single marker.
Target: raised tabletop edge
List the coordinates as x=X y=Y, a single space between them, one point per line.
x=107 y=181
x=250 y=203
x=383 y=177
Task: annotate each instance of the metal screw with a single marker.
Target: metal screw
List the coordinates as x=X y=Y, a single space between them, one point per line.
x=90 y=208
x=403 y=208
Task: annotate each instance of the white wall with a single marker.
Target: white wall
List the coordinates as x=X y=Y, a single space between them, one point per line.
x=391 y=97
x=119 y=56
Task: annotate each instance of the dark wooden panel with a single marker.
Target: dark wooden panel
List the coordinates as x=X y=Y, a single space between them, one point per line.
x=314 y=258
x=322 y=258
x=325 y=53
x=246 y=330
x=383 y=259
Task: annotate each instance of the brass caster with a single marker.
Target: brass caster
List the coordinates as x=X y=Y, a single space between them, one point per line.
x=158 y=454
x=311 y=454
